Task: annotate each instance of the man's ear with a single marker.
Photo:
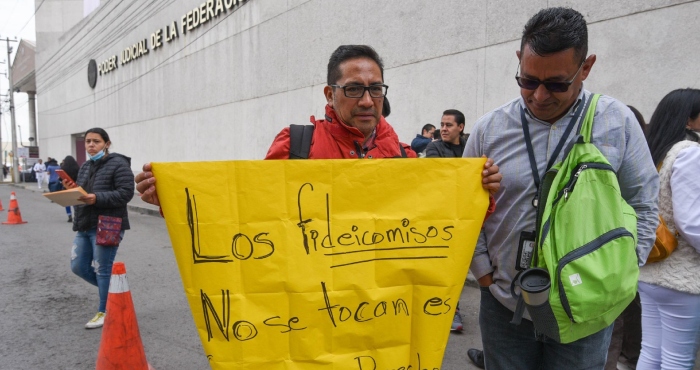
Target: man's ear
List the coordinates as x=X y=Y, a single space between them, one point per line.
x=517 y=53
x=587 y=66
x=328 y=92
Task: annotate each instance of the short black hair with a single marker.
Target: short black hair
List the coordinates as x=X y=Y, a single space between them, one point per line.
x=386 y=108
x=459 y=116
x=427 y=127
x=346 y=52
x=552 y=30
x=668 y=123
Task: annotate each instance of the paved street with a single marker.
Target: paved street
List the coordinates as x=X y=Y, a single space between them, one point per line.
x=44 y=306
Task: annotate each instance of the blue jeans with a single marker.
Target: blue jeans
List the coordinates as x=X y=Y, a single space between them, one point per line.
x=93 y=262
x=508 y=346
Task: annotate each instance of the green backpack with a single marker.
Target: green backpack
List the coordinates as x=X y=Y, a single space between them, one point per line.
x=586 y=240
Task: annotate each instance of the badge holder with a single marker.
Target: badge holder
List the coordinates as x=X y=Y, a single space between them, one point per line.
x=526 y=246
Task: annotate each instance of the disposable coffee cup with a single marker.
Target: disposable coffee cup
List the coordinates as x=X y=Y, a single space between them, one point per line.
x=534 y=285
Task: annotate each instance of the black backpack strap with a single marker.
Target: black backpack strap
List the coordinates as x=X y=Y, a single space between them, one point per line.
x=586 y=128
x=300 y=141
x=403 y=151
x=579 y=139
x=520 y=306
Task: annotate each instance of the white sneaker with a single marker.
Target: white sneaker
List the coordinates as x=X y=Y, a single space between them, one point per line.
x=96 y=321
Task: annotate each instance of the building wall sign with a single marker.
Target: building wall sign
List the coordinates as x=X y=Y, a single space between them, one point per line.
x=108 y=65
x=134 y=51
x=205 y=12
x=189 y=21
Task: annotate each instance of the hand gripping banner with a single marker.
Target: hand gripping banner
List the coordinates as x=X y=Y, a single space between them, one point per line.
x=323 y=264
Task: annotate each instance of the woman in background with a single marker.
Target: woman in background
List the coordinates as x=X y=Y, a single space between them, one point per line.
x=71 y=168
x=109 y=182
x=670 y=289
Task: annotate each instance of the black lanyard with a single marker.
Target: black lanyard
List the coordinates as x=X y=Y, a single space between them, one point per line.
x=531 y=153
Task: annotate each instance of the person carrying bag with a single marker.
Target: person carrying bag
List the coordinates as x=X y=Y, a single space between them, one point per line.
x=100 y=223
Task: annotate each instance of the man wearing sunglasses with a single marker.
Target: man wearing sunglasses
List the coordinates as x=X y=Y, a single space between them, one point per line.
x=553 y=65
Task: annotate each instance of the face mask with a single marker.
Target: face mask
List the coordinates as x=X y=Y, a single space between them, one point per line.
x=97 y=156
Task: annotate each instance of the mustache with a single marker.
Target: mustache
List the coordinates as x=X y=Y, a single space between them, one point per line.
x=364 y=111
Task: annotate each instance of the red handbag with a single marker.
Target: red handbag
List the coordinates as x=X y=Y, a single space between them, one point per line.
x=108 y=231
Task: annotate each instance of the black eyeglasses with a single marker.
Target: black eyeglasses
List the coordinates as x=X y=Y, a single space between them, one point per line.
x=358 y=91
x=558 y=86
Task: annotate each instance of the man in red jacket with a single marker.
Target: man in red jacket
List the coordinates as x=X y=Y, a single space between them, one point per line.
x=353 y=126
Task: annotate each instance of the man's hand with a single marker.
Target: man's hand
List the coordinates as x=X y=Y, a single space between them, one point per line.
x=486 y=280
x=146 y=185
x=490 y=178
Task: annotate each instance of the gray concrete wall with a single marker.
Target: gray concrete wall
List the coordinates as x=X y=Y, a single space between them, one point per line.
x=225 y=89
x=54 y=18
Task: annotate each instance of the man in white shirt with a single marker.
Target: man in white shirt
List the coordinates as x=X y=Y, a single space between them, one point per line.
x=40 y=171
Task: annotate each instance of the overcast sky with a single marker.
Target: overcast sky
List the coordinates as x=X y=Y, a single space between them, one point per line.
x=16 y=20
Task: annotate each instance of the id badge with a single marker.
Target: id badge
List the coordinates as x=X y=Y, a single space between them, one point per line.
x=525 y=248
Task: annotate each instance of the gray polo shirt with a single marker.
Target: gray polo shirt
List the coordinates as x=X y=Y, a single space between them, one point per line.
x=499 y=135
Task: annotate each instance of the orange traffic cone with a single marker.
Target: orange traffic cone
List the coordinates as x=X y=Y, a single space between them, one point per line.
x=14 y=217
x=1 y=209
x=121 y=347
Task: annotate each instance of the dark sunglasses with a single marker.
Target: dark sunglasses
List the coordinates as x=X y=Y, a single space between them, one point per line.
x=558 y=86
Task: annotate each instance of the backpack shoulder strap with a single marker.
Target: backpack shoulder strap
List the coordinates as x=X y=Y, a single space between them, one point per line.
x=584 y=125
x=587 y=126
x=403 y=151
x=300 y=141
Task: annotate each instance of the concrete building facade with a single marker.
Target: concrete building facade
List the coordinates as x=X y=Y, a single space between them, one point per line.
x=186 y=80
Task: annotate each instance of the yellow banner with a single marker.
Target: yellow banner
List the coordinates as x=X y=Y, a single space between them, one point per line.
x=323 y=264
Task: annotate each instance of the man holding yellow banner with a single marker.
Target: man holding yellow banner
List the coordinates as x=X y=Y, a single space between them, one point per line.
x=305 y=264
x=354 y=126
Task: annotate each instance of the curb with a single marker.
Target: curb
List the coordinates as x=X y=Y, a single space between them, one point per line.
x=143 y=210
x=25 y=187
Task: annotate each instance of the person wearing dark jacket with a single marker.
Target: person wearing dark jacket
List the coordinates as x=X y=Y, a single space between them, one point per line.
x=55 y=182
x=70 y=167
x=421 y=141
x=109 y=182
x=451 y=143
